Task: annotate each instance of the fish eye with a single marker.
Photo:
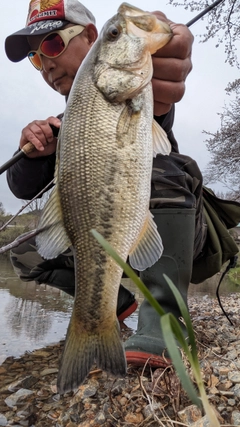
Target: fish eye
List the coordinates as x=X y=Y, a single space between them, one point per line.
x=113 y=32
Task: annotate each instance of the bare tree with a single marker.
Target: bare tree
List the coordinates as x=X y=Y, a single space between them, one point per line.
x=224 y=146
x=2 y=210
x=222 y=23
x=37 y=204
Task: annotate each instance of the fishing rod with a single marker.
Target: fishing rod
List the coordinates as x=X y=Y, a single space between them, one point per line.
x=204 y=12
x=29 y=147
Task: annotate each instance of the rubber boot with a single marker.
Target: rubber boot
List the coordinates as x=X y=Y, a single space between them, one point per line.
x=177 y=229
x=64 y=280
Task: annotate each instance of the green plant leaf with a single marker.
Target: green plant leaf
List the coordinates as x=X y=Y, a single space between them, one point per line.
x=129 y=271
x=186 y=316
x=167 y=322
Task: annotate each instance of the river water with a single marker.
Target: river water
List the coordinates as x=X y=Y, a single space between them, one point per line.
x=34 y=316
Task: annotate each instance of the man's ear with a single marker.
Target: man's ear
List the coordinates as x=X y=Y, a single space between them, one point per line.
x=91 y=33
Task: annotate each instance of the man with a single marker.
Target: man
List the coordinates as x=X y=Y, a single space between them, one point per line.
x=58 y=35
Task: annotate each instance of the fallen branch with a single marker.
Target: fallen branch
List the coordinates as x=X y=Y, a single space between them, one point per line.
x=19 y=240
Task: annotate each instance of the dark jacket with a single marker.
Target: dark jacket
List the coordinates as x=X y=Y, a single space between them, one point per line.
x=28 y=177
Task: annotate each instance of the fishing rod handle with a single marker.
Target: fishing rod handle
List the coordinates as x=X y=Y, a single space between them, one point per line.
x=28 y=148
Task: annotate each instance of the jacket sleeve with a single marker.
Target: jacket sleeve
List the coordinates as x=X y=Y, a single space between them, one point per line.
x=27 y=177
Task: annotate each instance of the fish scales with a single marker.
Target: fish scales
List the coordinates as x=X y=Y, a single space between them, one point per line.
x=103 y=174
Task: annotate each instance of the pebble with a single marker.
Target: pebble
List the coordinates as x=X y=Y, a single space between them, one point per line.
x=235 y=418
x=49 y=371
x=234 y=377
x=21 y=394
x=134 y=418
x=3 y=420
x=190 y=414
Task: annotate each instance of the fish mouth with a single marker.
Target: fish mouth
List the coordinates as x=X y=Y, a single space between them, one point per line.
x=145 y=24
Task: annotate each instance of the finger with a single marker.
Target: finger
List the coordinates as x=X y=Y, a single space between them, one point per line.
x=167 y=92
x=171 y=69
x=180 y=45
x=39 y=133
x=54 y=121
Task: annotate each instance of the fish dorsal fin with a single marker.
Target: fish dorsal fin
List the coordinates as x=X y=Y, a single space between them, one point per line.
x=53 y=240
x=148 y=248
x=161 y=143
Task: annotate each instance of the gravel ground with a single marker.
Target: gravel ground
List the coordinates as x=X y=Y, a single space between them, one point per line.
x=28 y=395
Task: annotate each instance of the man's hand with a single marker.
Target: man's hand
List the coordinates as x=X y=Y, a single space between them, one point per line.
x=40 y=134
x=171 y=65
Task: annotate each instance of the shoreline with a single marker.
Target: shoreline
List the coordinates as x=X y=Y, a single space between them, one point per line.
x=143 y=398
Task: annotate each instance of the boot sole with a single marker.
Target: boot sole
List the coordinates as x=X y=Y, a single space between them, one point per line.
x=140 y=358
x=128 y=311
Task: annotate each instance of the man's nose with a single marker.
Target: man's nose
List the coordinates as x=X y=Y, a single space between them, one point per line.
x=47 y=63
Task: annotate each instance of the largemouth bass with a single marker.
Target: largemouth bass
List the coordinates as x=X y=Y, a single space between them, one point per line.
x=103 y=174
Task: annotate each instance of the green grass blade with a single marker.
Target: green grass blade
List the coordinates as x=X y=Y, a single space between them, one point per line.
x=186 y=316
x=129 y=271
x=166 y=323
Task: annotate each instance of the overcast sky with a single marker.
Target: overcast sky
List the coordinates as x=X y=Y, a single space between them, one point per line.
x=26 y=97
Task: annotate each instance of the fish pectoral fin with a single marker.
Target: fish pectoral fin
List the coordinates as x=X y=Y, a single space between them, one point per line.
x=161 y=143
x=148 y=248
x=126 y=126
x=82 y=349
x=53 y=240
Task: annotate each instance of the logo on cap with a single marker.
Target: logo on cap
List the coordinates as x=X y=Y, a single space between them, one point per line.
x=40 y=10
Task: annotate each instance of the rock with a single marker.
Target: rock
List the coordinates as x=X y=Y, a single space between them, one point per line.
x=26 y=383
x=235 y=418
x=100 y=418
x=213 y=390
x=236 y=390
x=21 y=394
x=150 y=409
x=89 y=391
x=3 y=420
x=226 y=393
x=234 y=377
x=203 y=422
x=134 y=418
x=190 y=414
x=225 y=386
x=223 y=370
x=49 y=371
x=40 y=353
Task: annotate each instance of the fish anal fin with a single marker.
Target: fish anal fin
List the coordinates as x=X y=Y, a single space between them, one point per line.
x=161 y=143
x=148 y=248
x=53 y=240
x=82 y=349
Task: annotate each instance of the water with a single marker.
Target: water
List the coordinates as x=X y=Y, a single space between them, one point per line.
x=34 y=316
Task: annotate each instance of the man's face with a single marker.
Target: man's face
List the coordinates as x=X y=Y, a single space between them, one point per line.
x=60 y=72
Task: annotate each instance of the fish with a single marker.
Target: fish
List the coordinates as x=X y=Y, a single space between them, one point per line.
x=102 y=181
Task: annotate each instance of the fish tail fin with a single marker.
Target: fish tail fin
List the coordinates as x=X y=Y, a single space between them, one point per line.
x=83 y=349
